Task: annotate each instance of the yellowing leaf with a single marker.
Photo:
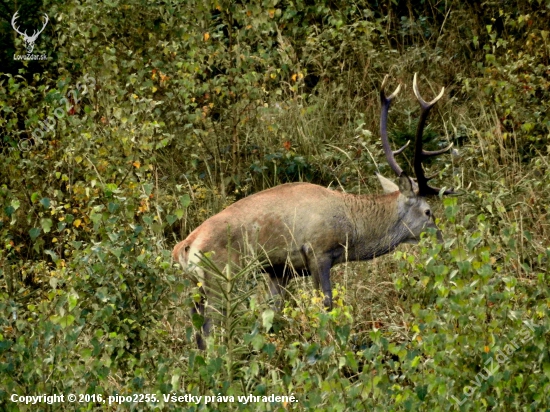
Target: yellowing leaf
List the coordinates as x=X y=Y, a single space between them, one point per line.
x=206 y=36
x=137 y=164
x=77 y=223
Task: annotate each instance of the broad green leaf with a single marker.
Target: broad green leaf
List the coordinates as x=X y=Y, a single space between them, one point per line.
x=267 y=318
x=185 y=200
x=46 y=225
x=171 y=219
x=34 y=233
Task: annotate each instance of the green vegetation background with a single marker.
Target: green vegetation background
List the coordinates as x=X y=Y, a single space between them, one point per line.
x=166 y=112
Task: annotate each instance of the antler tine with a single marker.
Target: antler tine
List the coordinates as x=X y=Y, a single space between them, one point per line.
x=419 y=154
x=397 y=89
x=386 y=102
x=426 y=105
x=430 y=153
x=46 y=20
x=396 y=152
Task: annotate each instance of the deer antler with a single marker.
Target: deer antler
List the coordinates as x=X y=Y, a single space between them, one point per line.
x=421 y=185
x=35 y=34
x=420 y=154
x=13 y=19
x=386 y=102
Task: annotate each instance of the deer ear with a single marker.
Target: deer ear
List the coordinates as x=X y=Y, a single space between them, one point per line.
x=387 y=185
x=407 y=186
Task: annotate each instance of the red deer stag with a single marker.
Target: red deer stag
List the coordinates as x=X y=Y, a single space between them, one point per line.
x=305 y=229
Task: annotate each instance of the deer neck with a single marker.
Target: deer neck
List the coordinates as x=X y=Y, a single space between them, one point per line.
x=377 y=220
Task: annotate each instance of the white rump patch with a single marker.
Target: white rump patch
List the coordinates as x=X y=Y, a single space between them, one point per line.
x=193 y=263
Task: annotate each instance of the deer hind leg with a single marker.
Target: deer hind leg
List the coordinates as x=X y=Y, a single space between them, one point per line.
x=191 y=263
x=319 y=266
x=200 y=335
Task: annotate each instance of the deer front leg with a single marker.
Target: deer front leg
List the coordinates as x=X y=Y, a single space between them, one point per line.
x=323 y=270
x=319 y=266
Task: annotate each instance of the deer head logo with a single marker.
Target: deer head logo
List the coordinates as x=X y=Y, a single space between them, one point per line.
x=29 y=40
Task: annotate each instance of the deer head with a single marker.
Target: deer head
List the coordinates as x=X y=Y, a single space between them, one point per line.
x=29 y=40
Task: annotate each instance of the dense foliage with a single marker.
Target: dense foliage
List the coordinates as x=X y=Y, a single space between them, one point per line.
x=147 y=118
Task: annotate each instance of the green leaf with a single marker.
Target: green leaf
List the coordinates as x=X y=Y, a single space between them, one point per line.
x=342 y=332
x=96 y=217
x=185 y=200
x=73 y=301
x=171 y=219
x=34 y=233
x=52 y=254
x=197 y=320
x=15 y=204
x=46 y=225
x=148 y=187
x=175 y=381
x=9 y=210
x=267 y=318
x=113 y=207
x=258 y=342
x=110 y=187
x=64 y=321
x=117 y=251
x=421 y=392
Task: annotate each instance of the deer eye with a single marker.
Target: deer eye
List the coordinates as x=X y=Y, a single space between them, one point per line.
x=428 y=212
